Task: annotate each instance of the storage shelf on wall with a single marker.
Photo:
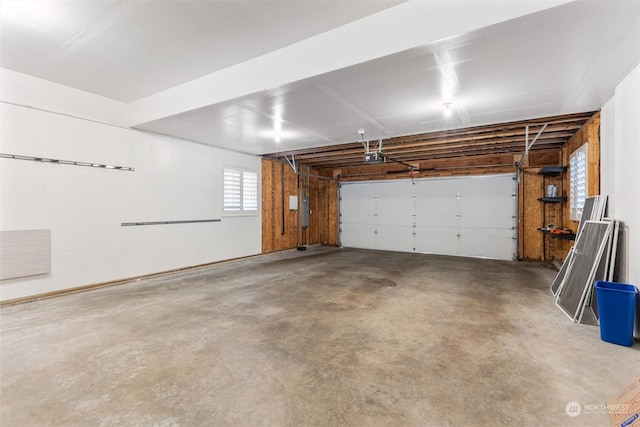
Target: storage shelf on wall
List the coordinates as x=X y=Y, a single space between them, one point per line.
x=553 y=175
x=546 y=231
x=552 y=170
x=552 y=199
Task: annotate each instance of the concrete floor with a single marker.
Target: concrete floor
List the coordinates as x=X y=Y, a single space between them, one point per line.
x=323 y=337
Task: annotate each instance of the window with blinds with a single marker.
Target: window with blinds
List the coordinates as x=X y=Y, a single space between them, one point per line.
x=240 y=192
x=232 y=190
x=578 y=182
x=249 y=191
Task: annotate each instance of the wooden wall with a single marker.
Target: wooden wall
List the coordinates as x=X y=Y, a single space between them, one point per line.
x=328 y=213
x=280 y=225
x=589 y=133
x=322 y=189
x=533 y=214
x=533 y=245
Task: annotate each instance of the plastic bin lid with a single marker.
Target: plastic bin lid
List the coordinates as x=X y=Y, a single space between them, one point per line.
x=615 y=286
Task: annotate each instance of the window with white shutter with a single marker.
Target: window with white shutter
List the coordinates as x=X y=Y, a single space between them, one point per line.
x=232 y=190
x=578 y=182
x=240 y=192
x=249 y=191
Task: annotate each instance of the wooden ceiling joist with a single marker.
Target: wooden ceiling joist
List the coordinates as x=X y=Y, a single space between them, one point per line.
x=504 y=138
x=427 y=145
x=433 y=153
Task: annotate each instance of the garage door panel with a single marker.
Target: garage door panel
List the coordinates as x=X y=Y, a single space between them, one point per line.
x=351 y=212
x=503 y=233
x=358 y=219
x=486 y=184
x=438 y=205
x=437 y=212
x=427 y=220
x=434 y=240
x=434 y=188
x=394 y=205
x=354 y=199
x=349 y=207
x=398 y=239
x=392 y=188
x=395 y=220
x=489 y=221
x=486 y=208
x=355 y=240
x=395 y=208
x=445 y=202
x=401 y=218
x=358 y=236
x=486 y=247
x=441 y=213
x=469 y=216
x=359 y=227
x=487 y=242
x=493 y=206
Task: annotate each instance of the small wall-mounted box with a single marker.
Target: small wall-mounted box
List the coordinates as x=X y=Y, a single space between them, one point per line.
x=293 y=203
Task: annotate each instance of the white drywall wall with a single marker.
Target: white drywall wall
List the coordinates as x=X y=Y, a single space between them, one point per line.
x=607 y=154
x=620 y=171
x=85 y=206
x=27 y=90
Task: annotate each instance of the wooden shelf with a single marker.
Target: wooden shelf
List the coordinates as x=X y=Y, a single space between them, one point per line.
x=552 y=170
x=558 y=236
x=552 y=199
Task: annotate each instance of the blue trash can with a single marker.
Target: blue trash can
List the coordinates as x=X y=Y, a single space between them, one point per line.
x=616 y=309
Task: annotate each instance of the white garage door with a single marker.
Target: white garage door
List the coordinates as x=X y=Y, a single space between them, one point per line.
x=466 y=216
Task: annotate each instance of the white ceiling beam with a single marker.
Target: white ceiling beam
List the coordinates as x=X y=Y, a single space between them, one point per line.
x=408 y=25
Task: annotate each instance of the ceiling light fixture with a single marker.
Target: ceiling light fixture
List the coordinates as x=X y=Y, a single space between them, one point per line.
x=277 y=123
x=447 y=109
x=450 y=86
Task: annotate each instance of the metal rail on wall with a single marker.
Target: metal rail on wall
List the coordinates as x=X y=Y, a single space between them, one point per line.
x=65 y=162
x=186 y=221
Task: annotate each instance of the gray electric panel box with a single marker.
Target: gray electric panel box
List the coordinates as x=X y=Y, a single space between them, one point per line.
x=305 y=211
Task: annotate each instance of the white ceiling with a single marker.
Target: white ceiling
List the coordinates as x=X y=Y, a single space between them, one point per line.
x=126 y=50
x=560 y=60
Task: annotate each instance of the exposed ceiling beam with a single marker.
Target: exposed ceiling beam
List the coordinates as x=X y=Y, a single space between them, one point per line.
x=504 y=138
